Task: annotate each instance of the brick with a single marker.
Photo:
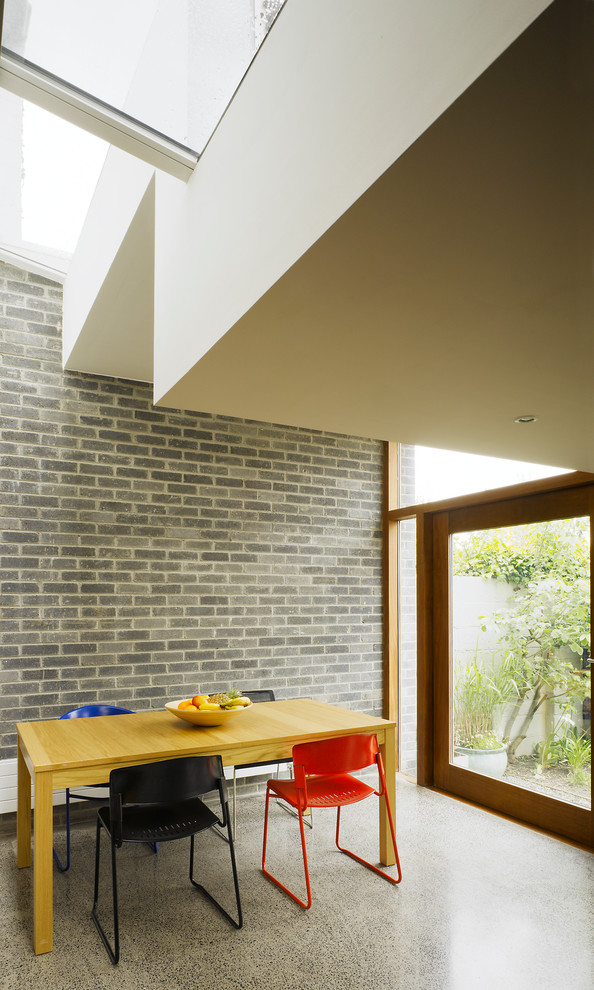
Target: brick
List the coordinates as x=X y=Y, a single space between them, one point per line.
x=148 y=550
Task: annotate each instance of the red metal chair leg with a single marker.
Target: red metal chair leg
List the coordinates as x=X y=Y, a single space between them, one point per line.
x=267 y=873
x=364 y=862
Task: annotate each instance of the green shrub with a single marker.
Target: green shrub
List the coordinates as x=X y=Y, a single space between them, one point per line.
x=525 y=554
x=478 y=698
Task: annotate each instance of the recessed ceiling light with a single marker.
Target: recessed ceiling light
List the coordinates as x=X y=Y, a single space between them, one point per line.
x=525 y=419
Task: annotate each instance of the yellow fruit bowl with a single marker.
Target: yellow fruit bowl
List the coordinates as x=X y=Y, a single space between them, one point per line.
x=205 y=718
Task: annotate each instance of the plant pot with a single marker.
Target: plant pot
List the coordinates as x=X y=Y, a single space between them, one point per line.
x=491 y=762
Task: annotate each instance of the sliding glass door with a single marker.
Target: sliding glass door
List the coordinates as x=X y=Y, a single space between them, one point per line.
x=511 y=584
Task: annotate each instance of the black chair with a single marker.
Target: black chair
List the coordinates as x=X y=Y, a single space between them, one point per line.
x=86 y=711
x=255 y=769
x=160 y=802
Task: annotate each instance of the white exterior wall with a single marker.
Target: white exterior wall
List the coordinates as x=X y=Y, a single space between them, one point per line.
x=473 y=597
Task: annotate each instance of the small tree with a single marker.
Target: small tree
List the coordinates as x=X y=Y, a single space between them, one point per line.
x=546 y=617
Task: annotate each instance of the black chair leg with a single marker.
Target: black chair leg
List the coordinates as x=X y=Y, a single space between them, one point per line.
x=113 y=953
x=203 y=890
x=64 y=868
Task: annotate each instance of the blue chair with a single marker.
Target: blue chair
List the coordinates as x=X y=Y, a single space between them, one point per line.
x=87 y=711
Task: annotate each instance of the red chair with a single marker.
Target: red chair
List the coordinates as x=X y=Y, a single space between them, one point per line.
x=322 y=780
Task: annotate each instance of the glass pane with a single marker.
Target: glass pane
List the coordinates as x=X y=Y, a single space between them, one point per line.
x=49 y=170
x=407 y=646
x=431 y=474
x=171 y=64
x=95 y=47
x=520 y=681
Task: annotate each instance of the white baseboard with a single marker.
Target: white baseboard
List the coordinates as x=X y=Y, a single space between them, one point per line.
x=8 y=788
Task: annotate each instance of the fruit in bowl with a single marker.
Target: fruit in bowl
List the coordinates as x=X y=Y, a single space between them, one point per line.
x=215 y=702
x=211 y=709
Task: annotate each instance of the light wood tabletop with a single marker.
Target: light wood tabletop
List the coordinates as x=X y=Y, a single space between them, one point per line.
x=78 y=752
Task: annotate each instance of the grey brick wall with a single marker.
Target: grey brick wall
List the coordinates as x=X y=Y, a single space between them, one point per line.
x=148 y=553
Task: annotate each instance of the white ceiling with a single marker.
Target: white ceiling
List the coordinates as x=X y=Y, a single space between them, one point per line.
x=452 y=297
x=457 y=293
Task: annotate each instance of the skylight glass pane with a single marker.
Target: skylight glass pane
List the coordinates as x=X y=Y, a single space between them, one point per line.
x=49 y=172
x=94 y=46
x=173 y=65
x=57 y=188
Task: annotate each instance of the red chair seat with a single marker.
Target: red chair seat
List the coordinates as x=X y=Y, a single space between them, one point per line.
x=327 y=791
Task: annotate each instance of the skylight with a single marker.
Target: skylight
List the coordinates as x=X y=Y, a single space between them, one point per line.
x=172 y=65
x=57 y=186
x=95 y=47
x=169 y=66
x=49 y=171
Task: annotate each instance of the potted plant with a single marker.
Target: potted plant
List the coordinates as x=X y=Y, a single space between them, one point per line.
x=479 y=695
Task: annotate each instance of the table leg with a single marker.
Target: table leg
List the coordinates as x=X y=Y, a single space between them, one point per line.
x=23 y=823
x=43 y=868
x=388 y=753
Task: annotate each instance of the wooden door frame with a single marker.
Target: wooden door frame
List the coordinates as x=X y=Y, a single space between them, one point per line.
x=390 y=590
x=433 y=520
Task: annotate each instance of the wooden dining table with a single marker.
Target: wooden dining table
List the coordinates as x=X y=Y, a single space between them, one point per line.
x=79 y=752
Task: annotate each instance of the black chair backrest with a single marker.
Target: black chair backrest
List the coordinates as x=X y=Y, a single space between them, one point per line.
x=167 y=782
x=257 y=696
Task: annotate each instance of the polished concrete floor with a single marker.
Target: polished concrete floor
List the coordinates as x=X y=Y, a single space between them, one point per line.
x=484 y=905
